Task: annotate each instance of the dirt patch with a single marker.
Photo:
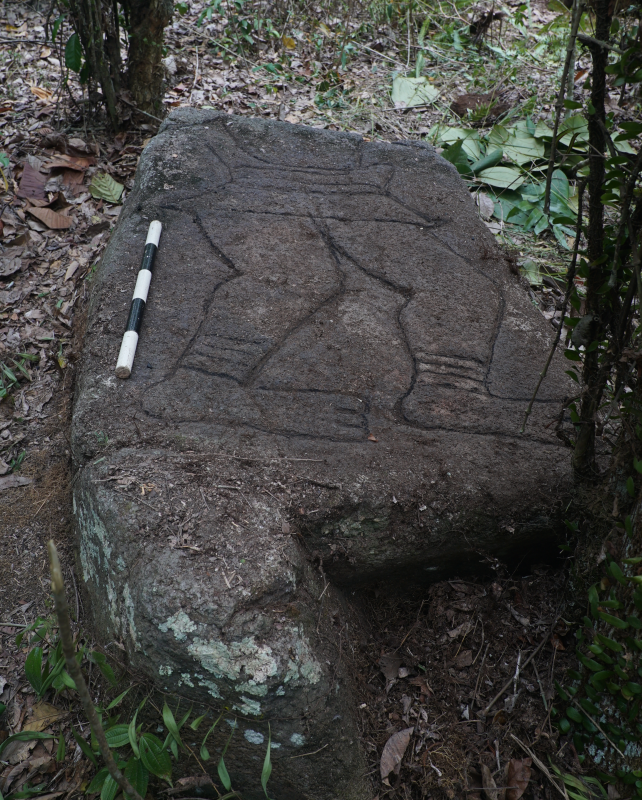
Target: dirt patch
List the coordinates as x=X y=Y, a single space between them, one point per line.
x=435 y=661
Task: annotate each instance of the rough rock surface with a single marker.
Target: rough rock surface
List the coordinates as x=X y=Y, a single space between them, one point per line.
x=332 y=372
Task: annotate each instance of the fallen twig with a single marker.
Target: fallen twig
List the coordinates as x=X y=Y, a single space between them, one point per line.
x=507 y=685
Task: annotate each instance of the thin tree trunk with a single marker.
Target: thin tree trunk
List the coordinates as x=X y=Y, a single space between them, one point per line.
x=147 y=20
x=594 y=377
x=88 y=23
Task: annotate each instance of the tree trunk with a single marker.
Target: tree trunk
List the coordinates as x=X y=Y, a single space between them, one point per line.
x=89 y=23
x=147 y=20
x=594 y=377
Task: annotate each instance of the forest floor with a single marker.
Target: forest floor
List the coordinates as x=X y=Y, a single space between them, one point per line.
x=436 y=659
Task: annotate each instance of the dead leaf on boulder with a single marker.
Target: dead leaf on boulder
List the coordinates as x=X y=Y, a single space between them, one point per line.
x=393 y=752
x=52 y=219
x=519 y=774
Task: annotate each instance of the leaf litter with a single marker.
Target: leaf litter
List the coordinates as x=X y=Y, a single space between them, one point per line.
x=421 y=698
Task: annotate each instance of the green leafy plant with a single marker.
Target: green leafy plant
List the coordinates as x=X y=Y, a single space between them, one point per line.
x=603 y=698
x=128 y=745
x=10 y=376
x=4 y=165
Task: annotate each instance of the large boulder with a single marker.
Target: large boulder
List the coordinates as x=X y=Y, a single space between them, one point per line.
x=330 y=381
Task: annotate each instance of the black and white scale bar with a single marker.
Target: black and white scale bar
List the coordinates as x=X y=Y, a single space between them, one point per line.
x=130 y=338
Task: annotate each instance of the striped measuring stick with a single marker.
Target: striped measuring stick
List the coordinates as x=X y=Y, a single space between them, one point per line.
x=130 y=338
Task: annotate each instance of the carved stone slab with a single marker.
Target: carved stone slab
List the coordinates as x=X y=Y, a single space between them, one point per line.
x=332 y=373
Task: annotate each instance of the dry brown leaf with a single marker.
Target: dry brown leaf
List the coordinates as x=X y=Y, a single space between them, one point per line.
x=464 y=659
x=72 y=177
x=421 y=682
x=461 y=630
x=11 y=481
x=8 y=266
x=389 y=665
x=519 y=774
x=42 y=94
x=32 y=184
x=490 y=787
x=71 y=162
x=52 y=219
x=393 y=752
x=372 y=438
x=43 y=715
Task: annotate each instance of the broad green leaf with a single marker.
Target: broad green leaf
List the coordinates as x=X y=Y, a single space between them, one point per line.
x=589 y=663
x=118 y=736
x=457 y=157
x=24 y=736
x=222 y=769
x=574 y=714
x=522 y=148
x=33 y=669
x=131 y=732
x=60 y=752
x=574 y=129
x=101 y=661
x=55 y=672
x=501 y=177
x=617 y=573
x=56 y=26
x=267 y=763
x=616 y=622
x=542 y=131
x=631 y=129
x=154 y=757
x=115 y=702
x=194 y=724
x=616 y=647
x=73 y=53
x=498 y=136
x=104 y=187
x=204 y=751
x=492 y=159
x=110 y=789
x=531 y=271
x=411 y=92
x=84 y=746
x=170 y=724
x=505 y=202
x=559 y=187
x=223 y=774
x=138 y=775
x=625 y=147
x=445 y=135
x=541 y=224
x=98 y=780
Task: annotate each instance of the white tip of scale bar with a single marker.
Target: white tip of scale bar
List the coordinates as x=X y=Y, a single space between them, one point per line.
x=154 y=232
x=126 y=355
